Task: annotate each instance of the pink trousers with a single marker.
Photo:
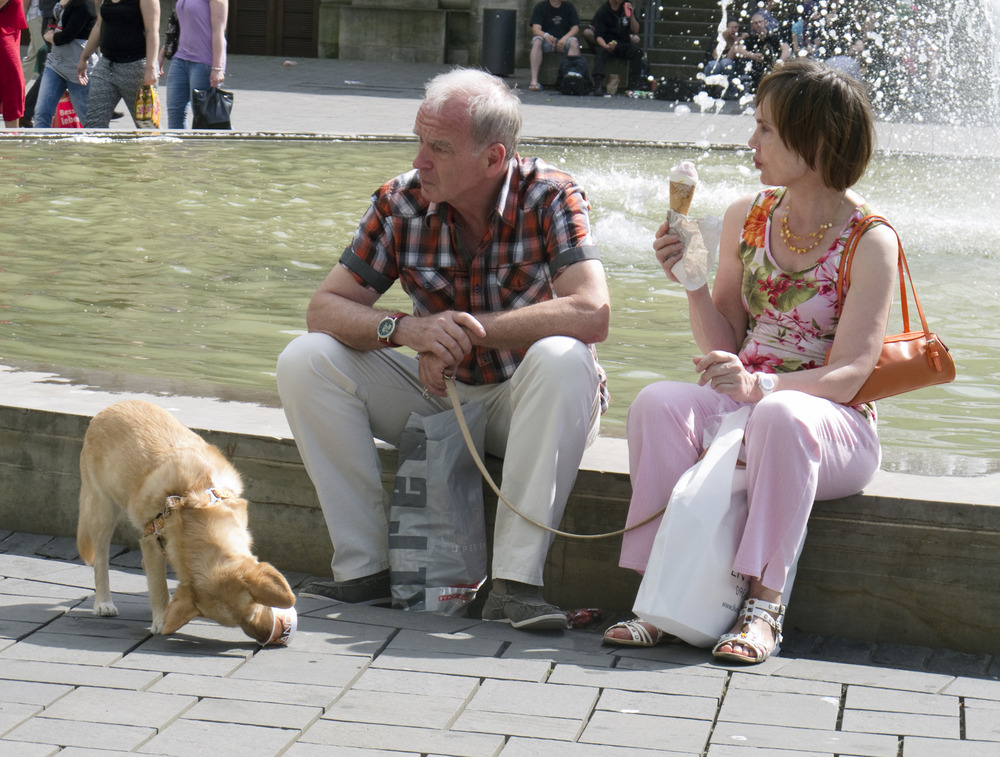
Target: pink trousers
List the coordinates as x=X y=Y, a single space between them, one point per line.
x=799 y=448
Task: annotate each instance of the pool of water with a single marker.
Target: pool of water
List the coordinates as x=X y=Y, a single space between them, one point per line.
x=195 y=259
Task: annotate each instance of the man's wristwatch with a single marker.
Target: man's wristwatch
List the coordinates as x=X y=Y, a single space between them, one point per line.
x=387 y=327
x=765 y=382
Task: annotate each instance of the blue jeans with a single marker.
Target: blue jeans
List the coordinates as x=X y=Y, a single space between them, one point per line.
x=183 y=76
x=50 y=89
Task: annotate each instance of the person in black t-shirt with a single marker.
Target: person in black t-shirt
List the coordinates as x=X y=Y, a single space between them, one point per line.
x=616 y=33
x=554 y=25
x=759 y=54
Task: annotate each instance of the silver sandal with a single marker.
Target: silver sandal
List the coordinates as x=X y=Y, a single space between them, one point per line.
x=753 y=609
x=641 y=637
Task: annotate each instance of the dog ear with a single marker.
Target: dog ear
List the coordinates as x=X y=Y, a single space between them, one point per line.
x=267 y=586
x=180 y=610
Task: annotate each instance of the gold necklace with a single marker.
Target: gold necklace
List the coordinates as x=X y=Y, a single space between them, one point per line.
x=787 y=236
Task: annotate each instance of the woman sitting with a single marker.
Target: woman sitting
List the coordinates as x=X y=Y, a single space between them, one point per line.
x=765 y=331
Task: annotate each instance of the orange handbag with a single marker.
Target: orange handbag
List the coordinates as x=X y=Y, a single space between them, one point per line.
x=909 y=360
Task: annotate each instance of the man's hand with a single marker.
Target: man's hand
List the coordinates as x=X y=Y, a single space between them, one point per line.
x=432 y=371
x=449 y=335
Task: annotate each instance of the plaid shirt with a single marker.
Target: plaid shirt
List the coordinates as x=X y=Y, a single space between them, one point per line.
x=541 y=226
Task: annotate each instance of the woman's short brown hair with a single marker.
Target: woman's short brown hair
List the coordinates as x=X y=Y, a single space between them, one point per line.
x=823 y=115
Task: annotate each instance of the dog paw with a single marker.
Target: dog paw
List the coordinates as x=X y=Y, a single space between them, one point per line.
x=157 y=625
x=106 y=609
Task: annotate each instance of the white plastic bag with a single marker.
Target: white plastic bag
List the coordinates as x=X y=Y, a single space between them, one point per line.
x=689 y=588
x=437 y=529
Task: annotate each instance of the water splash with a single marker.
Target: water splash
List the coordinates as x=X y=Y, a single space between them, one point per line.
x=926 y=61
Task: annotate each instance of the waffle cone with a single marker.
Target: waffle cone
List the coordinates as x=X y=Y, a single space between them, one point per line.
x=681 y=196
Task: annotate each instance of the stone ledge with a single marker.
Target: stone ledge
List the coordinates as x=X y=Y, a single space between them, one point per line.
x=912 y=560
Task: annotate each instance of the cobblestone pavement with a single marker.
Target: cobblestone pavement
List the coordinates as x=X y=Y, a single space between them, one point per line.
x=370 y=681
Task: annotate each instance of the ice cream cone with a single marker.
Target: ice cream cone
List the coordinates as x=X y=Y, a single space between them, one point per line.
x=683 y=180
x=681 y=196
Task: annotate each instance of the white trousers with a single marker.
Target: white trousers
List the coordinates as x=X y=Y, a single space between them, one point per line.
x=540 y=422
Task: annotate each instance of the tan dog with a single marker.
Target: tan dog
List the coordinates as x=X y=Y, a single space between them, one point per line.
x=184 y=497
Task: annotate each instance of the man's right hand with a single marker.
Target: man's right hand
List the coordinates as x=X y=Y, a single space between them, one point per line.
x=447 y=335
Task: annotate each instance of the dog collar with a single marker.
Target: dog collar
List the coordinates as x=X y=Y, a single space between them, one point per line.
x=155 y=526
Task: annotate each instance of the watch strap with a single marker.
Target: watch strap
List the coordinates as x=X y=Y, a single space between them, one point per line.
x=386 y=342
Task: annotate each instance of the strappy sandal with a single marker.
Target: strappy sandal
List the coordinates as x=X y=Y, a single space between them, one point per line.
x=753 y=609
x=641 y=637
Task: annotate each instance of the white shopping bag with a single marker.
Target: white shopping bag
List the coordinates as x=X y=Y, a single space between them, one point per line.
x=689 y=588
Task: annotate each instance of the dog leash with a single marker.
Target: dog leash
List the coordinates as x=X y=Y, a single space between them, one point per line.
x=457 y=406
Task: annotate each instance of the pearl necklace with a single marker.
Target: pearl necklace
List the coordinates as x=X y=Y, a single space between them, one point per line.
x=787 y=236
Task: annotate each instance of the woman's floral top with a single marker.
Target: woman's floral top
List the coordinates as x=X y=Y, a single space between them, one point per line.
x=792 y=314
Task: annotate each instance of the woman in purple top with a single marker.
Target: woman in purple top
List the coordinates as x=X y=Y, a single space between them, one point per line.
x=200 y=60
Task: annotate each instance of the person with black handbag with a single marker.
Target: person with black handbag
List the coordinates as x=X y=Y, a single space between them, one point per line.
x=765 y=331
x=199 y=63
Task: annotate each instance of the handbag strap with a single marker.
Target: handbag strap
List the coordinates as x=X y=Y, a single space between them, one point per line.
x=847 y=259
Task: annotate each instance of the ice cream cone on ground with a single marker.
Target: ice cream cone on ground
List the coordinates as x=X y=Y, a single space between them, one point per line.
x=683 y=180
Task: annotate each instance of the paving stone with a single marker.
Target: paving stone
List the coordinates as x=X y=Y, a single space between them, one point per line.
x=247 y=689
x=902 y=724
x=845 y=650
x=662 y=682
x=462 y=665
x=39 y=730
x=208 y=639
x=301 y=667
x=420 y=740
x=559 y=655
x=81 y=650
x=866 y=675
x=662 y=705
x=22 y=544
x=12 y=630
x=518 y=724
x=411 y=709
x=266 y=714
x=59 y=548
x=91 y=625
x=323 y=636
x=902 y=656
x=405 y=682
x=782 y=709
x=383 y=616
x=77 y=675
x=12 y=714
x=27 y=692
x=959 y=663
x=982 y=723
x=197 y=738
x=887 y=700
x=22 y=749
x=76 y=751
x=725 y=750
x=916 y=746
x=670 y=735
x=524 y=747
x=974 y=687
x=182 y=663
x=748 y=735
x=42 y=589
x=138 y=708
x=543 y=699
x=448 y=643
x=33 y=609
x=325 y=750
x=751 y=682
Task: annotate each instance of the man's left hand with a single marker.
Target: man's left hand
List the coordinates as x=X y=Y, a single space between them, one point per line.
x=432 y=371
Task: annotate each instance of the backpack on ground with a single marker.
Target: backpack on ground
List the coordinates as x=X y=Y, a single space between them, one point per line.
x=574 y=76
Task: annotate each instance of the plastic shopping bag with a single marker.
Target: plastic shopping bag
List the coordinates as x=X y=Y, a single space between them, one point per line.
x=689 y=588
x=65 y=115
x=147 y=108
x=437 y=529
x=212 y=108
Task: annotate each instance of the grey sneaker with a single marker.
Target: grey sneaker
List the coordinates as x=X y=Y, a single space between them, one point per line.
x=522 y=606
x=367 y=590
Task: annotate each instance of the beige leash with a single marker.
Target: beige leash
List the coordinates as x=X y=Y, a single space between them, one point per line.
x=457 y=405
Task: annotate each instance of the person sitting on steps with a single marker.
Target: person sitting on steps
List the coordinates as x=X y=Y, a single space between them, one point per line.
x=554 y=24
x=616 y=34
